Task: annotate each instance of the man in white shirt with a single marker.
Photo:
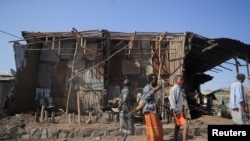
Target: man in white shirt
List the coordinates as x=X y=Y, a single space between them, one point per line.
x=176 y=99
x=237 y=101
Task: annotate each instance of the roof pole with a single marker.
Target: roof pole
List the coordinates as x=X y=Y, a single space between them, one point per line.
x=236 y=65
x=248 y=79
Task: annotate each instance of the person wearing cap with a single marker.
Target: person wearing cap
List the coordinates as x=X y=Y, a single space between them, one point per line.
x=176 y=100
x=125 y=106
x=237 y=101
x=149 y=106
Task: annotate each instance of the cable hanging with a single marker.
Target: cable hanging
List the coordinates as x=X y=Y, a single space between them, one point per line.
x=11 y=34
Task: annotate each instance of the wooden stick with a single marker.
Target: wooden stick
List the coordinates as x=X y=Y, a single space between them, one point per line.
x=53 y=117
x=78 y=108
x=59 y=47
x=42 y=113
x=72 y=73
x=35 y=118
x=53 y=44
x=73 y=117
x=45 y=115
x=70 y=118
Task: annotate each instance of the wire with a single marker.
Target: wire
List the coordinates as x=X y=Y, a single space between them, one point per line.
x=10 y=34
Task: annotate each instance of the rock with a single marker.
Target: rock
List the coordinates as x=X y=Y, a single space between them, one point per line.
x=35 y=133
x=87 y=132
x=44 y=134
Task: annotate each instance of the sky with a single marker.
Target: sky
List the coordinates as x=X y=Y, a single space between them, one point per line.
x=208 y=18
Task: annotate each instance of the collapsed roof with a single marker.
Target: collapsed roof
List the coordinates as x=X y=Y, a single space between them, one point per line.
x=208 y=53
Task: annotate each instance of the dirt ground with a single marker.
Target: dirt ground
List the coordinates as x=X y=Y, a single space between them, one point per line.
x=201 y=122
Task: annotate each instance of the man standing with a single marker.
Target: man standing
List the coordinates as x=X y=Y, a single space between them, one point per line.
x=223 y=108
x=237 y=102
x=176 y=99
x=126 y=121
x=149 y=105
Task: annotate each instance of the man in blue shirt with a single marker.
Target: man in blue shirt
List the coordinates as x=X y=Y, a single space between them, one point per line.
x=237 y=102
x=149 y=106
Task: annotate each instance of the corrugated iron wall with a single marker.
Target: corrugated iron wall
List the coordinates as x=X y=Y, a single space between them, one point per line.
x=19 y=51
x=176 y=57
x=89 y=81
x=89 y=100
x=48 y=55
x=26 y=79
x=44 y=75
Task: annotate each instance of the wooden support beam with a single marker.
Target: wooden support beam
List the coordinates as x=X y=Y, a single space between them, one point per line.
x=79 y=35
x=213 y=71
x=210 y=47
x=131 y=44
x=230 y=63
x=45 y=43
x=225 y=68
x=247 y=67
x=59 y=47
x=78 y=107
x=72 y=74
x=217 y=69
x=42 y=113
x=53 y=43
x=236 y=66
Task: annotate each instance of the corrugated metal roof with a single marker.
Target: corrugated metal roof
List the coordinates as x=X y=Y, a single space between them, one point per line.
x=4 y=73
x=6 y=78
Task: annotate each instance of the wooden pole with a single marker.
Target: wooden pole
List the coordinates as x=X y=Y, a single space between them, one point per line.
x=35 y=118
x=53 y=117
x=59 y=47
x=159 y=73
x=70 y=118
x=78 y=107
x=236 y=65
x=42 y=113
x=53 y=43
x=248 y=79
x=131 y=43
x=45 y=115
x=72 y=73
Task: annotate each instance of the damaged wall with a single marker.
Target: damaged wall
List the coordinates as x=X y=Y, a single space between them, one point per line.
x=26 y=77
x=60 y=60
x=93 y=64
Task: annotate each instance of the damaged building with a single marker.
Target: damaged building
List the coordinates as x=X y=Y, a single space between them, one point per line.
x=82 y=70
